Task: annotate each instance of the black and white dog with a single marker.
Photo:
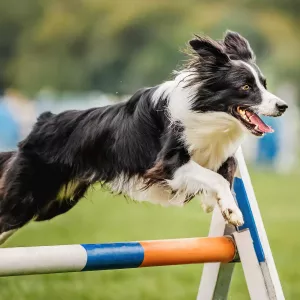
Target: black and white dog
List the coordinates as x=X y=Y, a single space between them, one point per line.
x=165 y=145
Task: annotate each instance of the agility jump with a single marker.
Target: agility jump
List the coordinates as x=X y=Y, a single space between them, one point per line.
x=219 y=252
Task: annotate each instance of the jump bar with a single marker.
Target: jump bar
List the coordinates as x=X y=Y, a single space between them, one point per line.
x=90 y=257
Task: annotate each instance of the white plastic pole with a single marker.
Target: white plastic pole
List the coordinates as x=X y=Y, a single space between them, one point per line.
x=42 y=259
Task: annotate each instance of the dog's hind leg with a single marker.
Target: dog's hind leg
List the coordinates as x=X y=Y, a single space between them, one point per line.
x=63 y=205
x=7 y=221
x=5 y=235
x=20 y=199
x=9 y=225
x=55 y=208
x=14 y=217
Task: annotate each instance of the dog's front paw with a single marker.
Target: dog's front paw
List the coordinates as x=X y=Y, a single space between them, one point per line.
x=233 y=216
x=229 y=209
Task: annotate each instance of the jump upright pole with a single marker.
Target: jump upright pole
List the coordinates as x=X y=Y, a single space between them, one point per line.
x=89 y=257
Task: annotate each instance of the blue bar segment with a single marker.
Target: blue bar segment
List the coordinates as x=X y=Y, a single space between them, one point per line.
x=113 y=256
x=244 y=205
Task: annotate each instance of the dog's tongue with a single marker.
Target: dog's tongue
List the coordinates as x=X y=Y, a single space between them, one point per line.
x=256 y=120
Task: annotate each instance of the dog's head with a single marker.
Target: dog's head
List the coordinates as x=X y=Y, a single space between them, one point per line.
x=231 y=82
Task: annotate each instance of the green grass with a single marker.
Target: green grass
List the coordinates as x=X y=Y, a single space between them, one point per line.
x=103 y=218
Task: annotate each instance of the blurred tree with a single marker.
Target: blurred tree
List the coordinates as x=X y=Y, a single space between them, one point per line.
x=15 y=16
x=119 y=46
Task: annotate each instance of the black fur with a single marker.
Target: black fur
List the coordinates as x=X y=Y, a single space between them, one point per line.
x=173 y=154
x=237 y=47
x=228 y=169
x=88 y=146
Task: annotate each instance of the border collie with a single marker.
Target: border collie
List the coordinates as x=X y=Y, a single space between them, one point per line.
x=166 y=144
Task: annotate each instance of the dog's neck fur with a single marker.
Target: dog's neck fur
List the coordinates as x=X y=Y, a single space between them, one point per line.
x=212 y=137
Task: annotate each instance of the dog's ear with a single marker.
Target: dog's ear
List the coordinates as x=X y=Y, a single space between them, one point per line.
x=209 y=49
x=237 y=47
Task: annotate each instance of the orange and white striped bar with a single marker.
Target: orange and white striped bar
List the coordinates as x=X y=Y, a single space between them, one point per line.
x=90 y=257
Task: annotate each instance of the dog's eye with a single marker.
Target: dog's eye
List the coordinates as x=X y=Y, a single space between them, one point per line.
x=245 y=87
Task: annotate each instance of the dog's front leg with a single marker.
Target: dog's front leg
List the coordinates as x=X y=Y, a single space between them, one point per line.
x=192 y=179
x=227 y=170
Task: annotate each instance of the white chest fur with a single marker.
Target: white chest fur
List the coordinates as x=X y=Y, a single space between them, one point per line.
x=212 y=137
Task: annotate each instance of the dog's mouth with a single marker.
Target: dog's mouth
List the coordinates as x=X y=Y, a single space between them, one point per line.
x=251 y=121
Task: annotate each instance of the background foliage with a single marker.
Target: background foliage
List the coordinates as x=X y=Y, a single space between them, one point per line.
x=119 y=46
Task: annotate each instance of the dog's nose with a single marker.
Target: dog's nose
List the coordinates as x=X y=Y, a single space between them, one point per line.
x=281 y=107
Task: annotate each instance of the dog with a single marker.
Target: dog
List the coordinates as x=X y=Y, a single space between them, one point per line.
x=166 y=144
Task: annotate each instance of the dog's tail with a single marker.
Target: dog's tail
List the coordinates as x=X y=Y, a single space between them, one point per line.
x=4 y=159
